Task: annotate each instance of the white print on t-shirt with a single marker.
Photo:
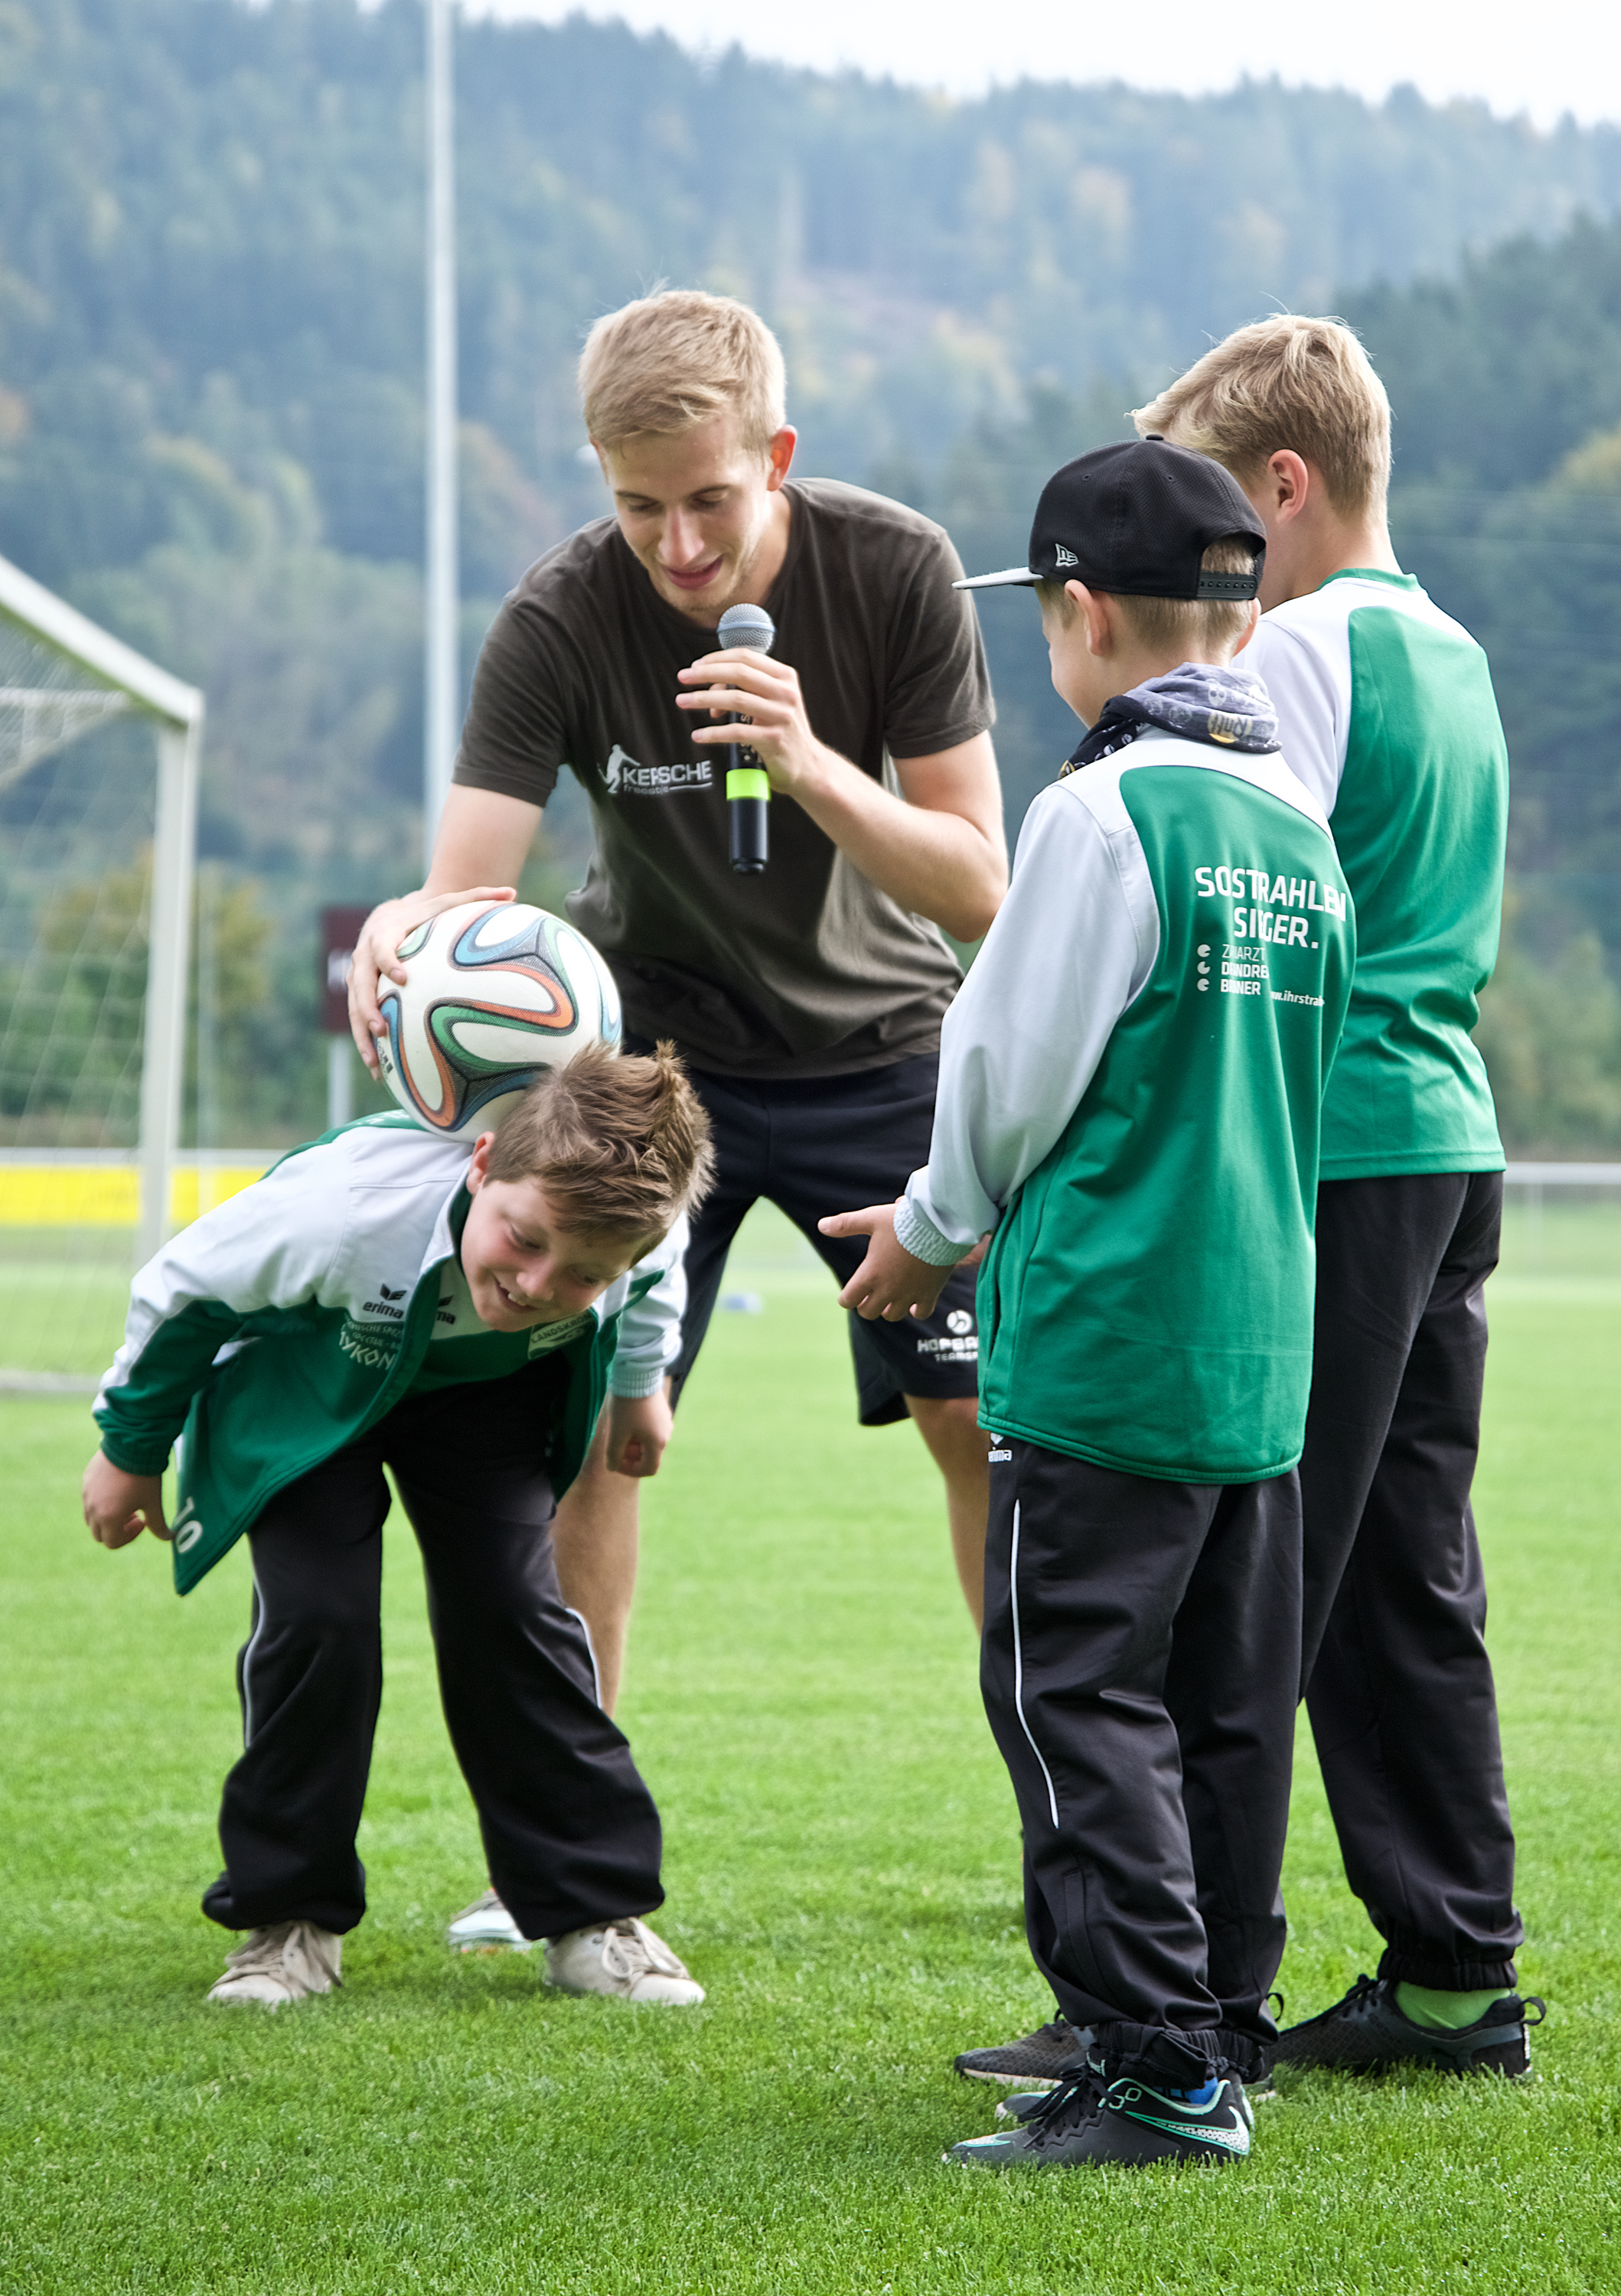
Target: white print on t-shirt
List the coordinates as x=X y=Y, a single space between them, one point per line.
x=1282 y=892
x=1303 y=896
x=625 y=778
x=1242 y=975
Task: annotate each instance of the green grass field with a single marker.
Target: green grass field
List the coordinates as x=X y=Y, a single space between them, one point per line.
x=843 y=1874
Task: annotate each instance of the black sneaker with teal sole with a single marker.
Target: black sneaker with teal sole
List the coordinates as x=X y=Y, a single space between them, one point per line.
x=1047 y=2055
x=1090 y=2120
x=1366 y=2032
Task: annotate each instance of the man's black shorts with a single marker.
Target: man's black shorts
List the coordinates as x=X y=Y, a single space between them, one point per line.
x=831 y=1144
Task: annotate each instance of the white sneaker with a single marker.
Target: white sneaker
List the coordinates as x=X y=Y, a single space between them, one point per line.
x=486 y=1926
x=623 y=1957
x=288 y=1961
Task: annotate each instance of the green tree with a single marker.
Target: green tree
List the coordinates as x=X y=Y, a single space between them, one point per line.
x=1551 y=1037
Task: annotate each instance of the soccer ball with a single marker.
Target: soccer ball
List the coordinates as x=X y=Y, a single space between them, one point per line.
x=497 y=993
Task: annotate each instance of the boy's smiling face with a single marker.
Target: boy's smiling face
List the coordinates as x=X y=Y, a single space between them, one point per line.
x=525 y=1267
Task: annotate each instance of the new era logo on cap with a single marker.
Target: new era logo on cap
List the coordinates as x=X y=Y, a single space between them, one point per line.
x=1135 y=520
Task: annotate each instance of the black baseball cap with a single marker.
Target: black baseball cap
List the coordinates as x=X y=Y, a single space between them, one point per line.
x=1135 y=519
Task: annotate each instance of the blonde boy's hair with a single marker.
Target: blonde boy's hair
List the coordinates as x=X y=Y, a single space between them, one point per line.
x=670 y=361
x=1304 y=385
x=619 y=1143
x=1191 y=627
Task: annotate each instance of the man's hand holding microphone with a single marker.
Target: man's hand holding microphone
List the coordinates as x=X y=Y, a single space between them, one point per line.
x=742 y=684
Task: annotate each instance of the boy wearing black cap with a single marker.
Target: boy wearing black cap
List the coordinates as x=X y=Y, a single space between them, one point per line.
x=1388 y=713
x=1130 y=1085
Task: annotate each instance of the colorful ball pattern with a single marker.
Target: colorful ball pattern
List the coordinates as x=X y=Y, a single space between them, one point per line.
x=496 y=994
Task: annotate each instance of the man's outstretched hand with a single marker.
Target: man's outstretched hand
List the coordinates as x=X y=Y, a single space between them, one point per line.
x=889 y=1282
x=118 y=1507
x=374 y=959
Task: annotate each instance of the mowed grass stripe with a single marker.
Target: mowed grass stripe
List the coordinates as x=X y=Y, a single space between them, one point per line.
x=843 y=1874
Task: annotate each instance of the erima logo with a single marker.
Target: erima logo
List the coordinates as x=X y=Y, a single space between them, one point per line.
x=390 y=1295
x=1062 y=557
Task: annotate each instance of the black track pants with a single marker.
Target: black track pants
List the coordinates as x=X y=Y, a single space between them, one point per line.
x=570 y=1830
x=820 y=1144
x=1139 y=1670
x=1399 y=1688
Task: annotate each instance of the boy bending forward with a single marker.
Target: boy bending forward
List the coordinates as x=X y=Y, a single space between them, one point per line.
x=1129 y=1091
x=379 y=1299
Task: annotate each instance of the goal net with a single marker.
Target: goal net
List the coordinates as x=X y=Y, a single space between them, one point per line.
x=98 y=752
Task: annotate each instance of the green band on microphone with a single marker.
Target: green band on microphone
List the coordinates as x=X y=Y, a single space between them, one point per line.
x=748 y=781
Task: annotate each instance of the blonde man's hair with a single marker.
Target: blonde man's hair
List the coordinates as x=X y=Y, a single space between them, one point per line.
x=619 y=1143
x=1191 y=627
x=1287 y=383
x=670 y=361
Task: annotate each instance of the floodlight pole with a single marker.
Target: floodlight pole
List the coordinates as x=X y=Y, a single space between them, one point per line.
x=442 y=681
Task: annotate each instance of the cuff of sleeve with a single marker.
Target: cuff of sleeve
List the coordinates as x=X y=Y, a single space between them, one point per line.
x=634 y=1380
x=920 y=1236
x=134 y=1458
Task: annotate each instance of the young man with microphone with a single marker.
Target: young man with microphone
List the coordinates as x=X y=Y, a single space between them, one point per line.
x=805 y=996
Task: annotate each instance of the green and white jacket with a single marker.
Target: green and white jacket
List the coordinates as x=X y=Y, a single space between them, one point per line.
x=1387 y=713
x=1130 y=1080
x=283 y=1324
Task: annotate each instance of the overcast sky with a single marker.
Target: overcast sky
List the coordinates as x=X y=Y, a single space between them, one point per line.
x=1561 y=55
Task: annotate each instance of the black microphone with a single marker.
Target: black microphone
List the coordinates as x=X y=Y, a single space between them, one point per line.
x=747 y=786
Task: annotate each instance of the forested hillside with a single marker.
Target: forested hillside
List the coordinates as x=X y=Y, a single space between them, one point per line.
x=210 y=330
x=209 y=228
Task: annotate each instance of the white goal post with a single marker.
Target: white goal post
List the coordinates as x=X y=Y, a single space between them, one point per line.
x=39 y=721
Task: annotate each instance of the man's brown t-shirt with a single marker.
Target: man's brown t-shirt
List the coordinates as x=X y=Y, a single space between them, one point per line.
x=805 y=970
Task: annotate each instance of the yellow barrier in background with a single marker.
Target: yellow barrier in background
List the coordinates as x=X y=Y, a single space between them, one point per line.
x=109 y=1195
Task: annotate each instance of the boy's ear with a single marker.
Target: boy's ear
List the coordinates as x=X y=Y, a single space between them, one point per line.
x=1094 y=609
x=1288 y=483
x=478 y=1171
x=648 y=1243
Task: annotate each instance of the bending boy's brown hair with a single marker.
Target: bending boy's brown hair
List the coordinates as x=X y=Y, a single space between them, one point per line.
x=1305 y=386
x=620 y=1141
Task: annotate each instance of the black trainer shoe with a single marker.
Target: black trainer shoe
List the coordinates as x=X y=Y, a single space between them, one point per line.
x=1366 y=2031
x=1027 y=2106
x=1089 y=2121
x=1047 y=2054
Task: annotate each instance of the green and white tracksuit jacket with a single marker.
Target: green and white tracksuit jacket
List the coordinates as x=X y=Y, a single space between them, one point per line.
x=285 y=1323
x=1386 y=712
x=1131 y=1079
